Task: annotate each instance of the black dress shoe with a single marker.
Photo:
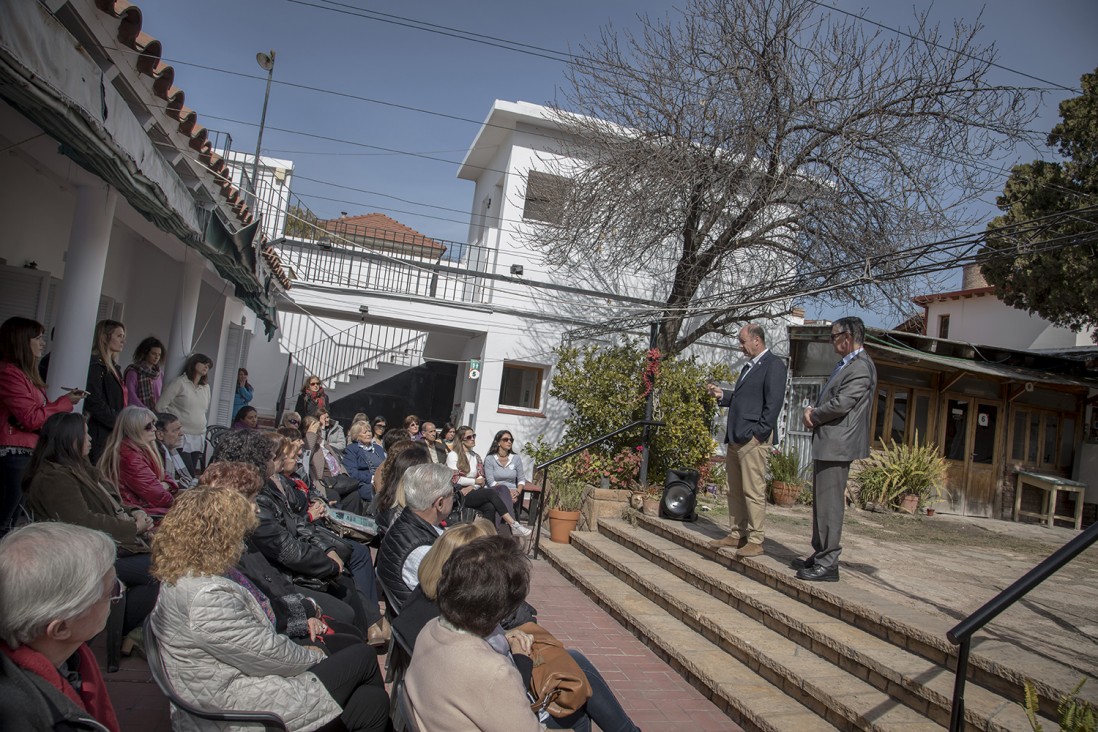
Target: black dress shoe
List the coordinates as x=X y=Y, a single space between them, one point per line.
x=800 y=563
x=816 y=573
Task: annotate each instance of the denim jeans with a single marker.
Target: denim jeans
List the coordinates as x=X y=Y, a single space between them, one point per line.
x=12 y=468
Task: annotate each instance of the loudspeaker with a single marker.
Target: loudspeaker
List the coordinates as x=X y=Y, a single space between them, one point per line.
x=680 y=495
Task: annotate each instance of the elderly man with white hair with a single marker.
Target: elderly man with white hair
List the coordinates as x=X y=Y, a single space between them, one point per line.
x=57 y=583
x=428 y=498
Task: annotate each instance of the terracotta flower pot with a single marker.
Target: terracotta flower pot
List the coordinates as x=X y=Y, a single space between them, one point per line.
x=909 y=503
x=562 y=524
x=784 y=494
x=651 y=507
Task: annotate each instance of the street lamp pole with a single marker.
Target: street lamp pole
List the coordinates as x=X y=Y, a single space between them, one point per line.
x=266 y=62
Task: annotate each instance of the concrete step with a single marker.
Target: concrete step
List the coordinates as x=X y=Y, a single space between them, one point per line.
x=831 y=690
x=911 y=629
x=740 y=691
x=919 y=683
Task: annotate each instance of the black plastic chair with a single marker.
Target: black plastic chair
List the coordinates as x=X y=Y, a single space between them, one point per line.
x=269 y=720
x=404 y=709
x=114 y=633
x=396 y=661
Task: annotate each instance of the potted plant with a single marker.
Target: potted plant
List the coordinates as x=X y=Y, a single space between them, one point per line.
x=901 y=477
x=565 y=501
x=653 y=494
x=785 y=476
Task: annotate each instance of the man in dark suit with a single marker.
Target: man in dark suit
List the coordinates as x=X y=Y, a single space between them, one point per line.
x=753 y=409
x=840 y=434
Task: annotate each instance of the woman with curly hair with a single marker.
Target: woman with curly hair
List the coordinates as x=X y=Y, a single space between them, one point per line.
x=132 y=462
x=217 y=630
x=144 y=378
x=312 y=398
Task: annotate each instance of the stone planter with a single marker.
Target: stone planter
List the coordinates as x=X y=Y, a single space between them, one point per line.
x=651 y=507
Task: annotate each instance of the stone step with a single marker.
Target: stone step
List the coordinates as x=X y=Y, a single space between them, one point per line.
x=916 y=681
x=747 y=697
x=832 y=691
x=911 y=629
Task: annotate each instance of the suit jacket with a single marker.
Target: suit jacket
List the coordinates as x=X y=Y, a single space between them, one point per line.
x=756 y=402
x=840 y=418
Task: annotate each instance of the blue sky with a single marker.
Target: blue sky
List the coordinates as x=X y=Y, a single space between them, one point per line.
x=318 y=47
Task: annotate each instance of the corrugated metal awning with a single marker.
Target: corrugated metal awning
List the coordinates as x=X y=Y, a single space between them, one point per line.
x=986 y=368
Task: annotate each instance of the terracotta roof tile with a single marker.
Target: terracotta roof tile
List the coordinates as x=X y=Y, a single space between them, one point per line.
x=377 y=227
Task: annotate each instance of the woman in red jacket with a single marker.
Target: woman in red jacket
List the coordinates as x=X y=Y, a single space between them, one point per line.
x=132 y=462
x=23 y=407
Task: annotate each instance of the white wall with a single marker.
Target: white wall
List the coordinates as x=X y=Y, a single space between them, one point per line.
x=986 y=320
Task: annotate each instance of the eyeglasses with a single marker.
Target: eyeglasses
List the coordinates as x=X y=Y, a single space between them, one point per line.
x=118 y=591
x=293 y=421
x=834 y=336
x=469 y=437
x=314 y=383
x=151 y=426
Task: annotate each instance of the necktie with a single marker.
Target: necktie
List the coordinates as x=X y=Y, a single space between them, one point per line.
x=743 y=371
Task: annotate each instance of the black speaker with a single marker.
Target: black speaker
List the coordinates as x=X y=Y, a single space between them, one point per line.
x=680 y=496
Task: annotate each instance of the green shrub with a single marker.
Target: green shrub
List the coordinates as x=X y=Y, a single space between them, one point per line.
x=899 y=470
x=1075 y=714
x=784 y=466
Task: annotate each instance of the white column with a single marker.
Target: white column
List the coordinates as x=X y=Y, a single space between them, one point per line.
x=78 y=301
x=186 y=311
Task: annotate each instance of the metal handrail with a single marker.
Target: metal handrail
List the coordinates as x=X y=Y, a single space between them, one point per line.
x=544 y=467
x=961 y=634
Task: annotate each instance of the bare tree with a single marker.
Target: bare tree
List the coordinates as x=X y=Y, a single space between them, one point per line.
x=751 y=152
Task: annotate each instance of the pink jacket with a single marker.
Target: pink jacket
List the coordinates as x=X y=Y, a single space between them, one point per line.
x=24 y=408
x=139 y=481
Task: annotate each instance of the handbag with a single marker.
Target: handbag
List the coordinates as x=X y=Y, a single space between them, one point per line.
x=558 y=685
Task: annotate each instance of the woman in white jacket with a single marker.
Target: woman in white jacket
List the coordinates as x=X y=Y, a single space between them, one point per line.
x=188 y=397
x=217 y=635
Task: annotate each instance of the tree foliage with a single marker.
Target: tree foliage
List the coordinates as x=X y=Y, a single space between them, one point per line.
x=750 y=152
x=604 y=388
x=1049 y=224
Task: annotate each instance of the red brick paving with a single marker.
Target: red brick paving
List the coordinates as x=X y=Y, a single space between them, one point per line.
x=656 y=697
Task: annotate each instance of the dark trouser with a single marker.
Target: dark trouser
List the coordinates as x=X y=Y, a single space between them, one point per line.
x=366 y=493
x=487 y=502
x=141 y=588
x=12 y=468
x=195 y=461
x=361 y=568
x=602 y=708
x=330 y=606
x=352 y=502
x=354 y=680
x=828 y=507
x=366 y=613
x=504 y=494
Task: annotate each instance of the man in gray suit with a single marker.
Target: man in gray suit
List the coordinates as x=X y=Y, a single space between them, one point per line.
x=753 y=409
x=840 y=434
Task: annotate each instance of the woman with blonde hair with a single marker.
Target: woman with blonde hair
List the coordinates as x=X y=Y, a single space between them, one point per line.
x=131 y=461
x=106 y=388
x=217 y=630
x=472 y=484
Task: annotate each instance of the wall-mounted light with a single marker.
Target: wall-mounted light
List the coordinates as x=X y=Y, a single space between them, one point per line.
x=516 y=270
x=363 y=309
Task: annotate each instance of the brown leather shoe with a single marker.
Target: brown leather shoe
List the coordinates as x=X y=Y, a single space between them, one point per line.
x=749 y=550
x=379 y=633
x=727 y=541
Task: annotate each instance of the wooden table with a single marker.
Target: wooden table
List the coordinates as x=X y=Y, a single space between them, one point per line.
x=1050 y=485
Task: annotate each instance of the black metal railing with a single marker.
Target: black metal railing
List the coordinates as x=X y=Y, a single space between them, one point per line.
x=544 y=468
x=961 y=634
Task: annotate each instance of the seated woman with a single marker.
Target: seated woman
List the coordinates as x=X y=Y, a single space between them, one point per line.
x=325 y=467
x=386 y=506
x=58 y=589
x=472 y=484
x=132 y=462
x=602 y=708
x=62 y=485
x=361 y=460
x=503 y=469
x=218 y=637
x=169 y=437
x=246 y=419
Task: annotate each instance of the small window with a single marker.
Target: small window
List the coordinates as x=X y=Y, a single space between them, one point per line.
x=943 y=326
x=521 y=386
x=545 y=197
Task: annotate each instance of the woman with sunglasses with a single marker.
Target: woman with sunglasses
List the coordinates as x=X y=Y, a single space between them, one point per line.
x=132 y=462
x=503 y=468
x=62 y=485
x=472 y=484
x=312 y=397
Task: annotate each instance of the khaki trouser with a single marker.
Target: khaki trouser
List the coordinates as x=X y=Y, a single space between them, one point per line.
x=746 y=468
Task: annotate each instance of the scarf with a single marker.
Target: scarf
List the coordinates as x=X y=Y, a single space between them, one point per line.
x=146 y=375
x=235 y=575
x=92 y=696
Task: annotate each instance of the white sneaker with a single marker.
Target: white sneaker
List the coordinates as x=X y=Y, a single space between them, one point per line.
x=519 y=530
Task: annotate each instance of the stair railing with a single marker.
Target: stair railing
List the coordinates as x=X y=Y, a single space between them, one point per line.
x=544 y=468
x=961 y=634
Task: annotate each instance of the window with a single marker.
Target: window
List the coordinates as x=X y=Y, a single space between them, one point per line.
x=521 y=386
x=1043 y=439
x=545 y=197
x=943 y=326
x=902 y=415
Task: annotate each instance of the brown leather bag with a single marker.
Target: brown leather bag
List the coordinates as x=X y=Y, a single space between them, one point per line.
x=558 y=684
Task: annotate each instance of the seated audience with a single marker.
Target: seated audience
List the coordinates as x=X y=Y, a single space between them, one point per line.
x=380 y=427
x=387 y=503
x=411 y=427
x=246 y=419
x=429 y=496
x=23 y=407
x=144 y=378
x=106 y=390
x=504 y=471
x=327 y=469
x=242 y=397
x=361 y=460
x=62 y=485
x=132 y=462
x=291 y=420
x=428 y=434
x=59 y=584
x=602 y=708
x=169 y=436
x=470 y=481
x=334 y=436
x=218 y=636
x=446 y=433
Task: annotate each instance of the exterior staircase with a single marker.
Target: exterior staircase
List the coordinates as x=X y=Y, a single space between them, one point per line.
x=776 y=653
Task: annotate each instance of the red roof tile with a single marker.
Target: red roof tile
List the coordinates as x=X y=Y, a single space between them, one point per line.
x=377 y=227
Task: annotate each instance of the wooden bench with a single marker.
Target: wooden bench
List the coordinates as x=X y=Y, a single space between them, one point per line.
x=1050 y=485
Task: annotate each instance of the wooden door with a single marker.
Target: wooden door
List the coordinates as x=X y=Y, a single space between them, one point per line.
x=971 y=431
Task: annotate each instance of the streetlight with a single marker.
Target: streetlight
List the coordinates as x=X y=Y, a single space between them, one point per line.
x=266 y=62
